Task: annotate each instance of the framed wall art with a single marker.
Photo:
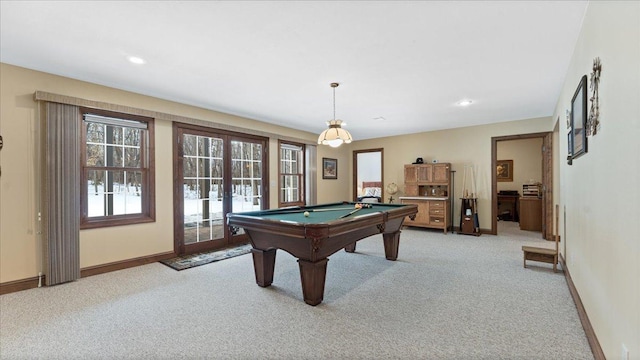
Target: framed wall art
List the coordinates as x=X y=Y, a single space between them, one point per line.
x=329 y=168
x=569 y=147
x=504 y=170
x=593 y=122
x=579 y=120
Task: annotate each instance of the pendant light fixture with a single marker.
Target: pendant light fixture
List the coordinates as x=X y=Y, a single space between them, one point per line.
x=335 y=135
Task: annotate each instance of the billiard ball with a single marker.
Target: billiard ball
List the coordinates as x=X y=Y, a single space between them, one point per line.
x=306 y=214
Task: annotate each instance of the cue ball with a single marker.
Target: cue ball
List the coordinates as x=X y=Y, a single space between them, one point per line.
x=306 y=214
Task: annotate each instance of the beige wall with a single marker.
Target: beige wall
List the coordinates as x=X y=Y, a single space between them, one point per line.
x=469 y=146
x=527 y=162
x=339 y=189
x=600 y=192
x=20 y=246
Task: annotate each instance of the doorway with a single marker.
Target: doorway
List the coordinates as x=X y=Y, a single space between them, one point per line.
x=546 y=181
x=215 y=173
x=368 y=173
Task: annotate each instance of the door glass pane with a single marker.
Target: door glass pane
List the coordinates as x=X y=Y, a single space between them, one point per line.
x=203 y=189
x=189 y=144
x=246 y=164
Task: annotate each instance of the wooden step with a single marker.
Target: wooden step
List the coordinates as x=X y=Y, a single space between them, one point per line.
x=538 y=250
x=540 y=254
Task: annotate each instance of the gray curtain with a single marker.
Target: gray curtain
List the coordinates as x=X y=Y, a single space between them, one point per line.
x=61 y=193
x=311 y=187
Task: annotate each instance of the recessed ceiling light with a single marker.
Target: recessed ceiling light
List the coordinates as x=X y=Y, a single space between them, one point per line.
x=136 y=60
x=379 y=118
x=464 y=102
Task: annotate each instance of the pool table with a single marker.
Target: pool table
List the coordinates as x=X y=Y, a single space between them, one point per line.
x=326 y=229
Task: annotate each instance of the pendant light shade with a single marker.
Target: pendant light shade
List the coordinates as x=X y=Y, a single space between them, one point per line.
x=335 y=135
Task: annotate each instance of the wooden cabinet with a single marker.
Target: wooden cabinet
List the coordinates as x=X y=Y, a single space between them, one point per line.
x=411 y=190
x=431 y=213
x=441 y=173
x=422 y=217
x=410 y=174
x=438 y=210
x=428 y=186
x=411 y=180
x=438 y=173
x=425 y=173
x=530 y=213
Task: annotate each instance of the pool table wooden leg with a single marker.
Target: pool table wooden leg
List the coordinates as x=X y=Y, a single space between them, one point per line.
x=391 y=244
x=264 y=262
x=312 y=276
x=350 y=248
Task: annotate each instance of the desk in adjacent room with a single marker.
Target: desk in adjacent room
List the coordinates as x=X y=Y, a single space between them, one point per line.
x=312 y=239
x=512 y=201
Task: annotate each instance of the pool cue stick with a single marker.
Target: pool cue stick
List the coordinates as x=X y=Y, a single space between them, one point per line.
x=352 y=212
x=331 y=209
x=464 y=182
x=292 y=211
x=476 y=221
x=337 y=209
x=295 y=211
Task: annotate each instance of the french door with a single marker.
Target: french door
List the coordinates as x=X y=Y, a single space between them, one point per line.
x=215 y=172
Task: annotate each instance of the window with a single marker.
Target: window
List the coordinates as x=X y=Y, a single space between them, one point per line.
x=291 y=174
x=117 y=169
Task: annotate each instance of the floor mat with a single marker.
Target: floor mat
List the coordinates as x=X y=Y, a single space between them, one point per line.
x=193 y=260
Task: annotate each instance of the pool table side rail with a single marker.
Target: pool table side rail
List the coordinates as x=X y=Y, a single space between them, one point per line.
x=289 y=209
x=315 y=230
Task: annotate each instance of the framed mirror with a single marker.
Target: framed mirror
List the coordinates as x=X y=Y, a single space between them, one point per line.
x=579 y=120
x=367 y=175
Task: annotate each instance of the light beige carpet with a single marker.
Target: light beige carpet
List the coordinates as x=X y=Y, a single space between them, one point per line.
x=447 y=297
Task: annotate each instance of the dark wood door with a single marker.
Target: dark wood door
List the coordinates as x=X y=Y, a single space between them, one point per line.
x=215 y=173
x=547 y=186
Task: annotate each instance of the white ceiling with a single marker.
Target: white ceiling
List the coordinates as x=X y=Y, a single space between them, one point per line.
x=406 y=61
